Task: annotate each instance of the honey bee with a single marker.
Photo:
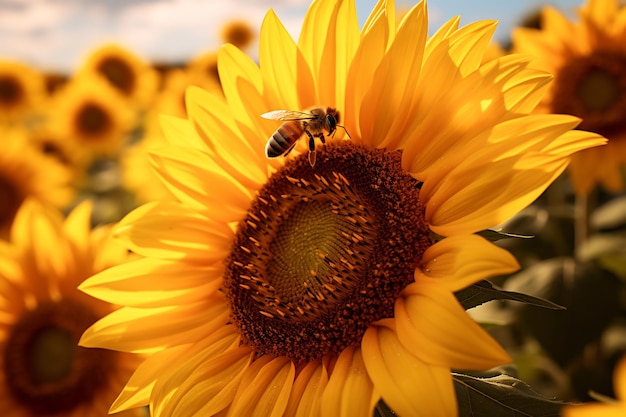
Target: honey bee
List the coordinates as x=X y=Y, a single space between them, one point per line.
x=313 y=122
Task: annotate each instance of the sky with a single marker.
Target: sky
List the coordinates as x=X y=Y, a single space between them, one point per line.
x=55 y=35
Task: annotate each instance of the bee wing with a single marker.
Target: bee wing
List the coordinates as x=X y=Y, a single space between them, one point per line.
x=285 y=115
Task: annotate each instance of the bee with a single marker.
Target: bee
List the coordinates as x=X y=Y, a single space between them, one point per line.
x=313 y=122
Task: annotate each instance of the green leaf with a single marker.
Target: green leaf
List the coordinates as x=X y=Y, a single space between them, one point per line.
x=383 y=410
x=484 y=291
x=494 y=235
x=501 y=396
x=610 y=215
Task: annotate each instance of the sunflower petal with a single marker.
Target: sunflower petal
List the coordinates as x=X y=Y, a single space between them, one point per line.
x=204 y=386
x=194 y=179
x=139 y=329
x=453 y=261
x=154 y=283
x=306 y=395
x=433 y=326
x=268 y=392
x=349 y=392
x=170 y=230
x=408 y=385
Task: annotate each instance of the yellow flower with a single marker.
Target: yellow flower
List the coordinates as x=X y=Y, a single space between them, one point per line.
x=92 y=116
x=134 y=78
x=588 y=60
x=274 y=288
x=44 y=371
x=25 y=172
x=21 y=90
x=611 y=408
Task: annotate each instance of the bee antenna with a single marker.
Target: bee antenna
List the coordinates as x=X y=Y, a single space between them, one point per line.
x=345 y=130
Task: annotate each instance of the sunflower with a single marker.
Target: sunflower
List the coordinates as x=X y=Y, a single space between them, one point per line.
x=43 y=370
x=25 y=172
x=588 y=60
x=237 y=32
x=133 y=77
x=92 y=116
x=271 y=287
x=21 y=90
x=608 y=408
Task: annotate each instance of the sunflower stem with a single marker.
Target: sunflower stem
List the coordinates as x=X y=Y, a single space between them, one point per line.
x=583 y=207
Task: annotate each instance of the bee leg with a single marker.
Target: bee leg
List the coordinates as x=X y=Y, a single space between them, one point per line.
x=311 y=148
x=290 y=149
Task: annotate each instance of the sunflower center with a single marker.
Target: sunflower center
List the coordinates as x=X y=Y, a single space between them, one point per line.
x=92 y=120
x=119 y=73
x=325 y=251
x=593 y=88
x=46 y=371
x=11 y=91
x=11 y=200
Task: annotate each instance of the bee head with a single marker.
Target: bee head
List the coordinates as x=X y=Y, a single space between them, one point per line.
x=332 y=118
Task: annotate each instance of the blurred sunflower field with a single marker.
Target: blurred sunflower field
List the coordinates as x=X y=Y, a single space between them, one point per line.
x=383 y=217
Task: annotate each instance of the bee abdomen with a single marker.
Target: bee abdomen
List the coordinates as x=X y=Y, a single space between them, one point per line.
x=282 y=140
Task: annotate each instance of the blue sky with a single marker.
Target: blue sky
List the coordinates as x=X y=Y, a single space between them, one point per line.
x=56 y=34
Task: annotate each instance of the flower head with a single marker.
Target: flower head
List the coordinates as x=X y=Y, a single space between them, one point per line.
x=134 y=78
x=588 y=60
x=26 y=173
x=92 y=116
x=21 y=90
x=43 y=370
x=274 y=287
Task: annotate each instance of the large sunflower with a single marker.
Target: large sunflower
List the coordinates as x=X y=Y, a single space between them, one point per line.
x=271 y=287
x=25 y=172
x=588 y=60
x=43 y=372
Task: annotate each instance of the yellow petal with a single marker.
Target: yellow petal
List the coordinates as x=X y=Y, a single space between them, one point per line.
x=619 y=380
x=137 y=391
x=203 y=387
x=268 y=391
x=433 y=326
x=306 y=395
x=140 y=329
x=170 y=230
x=594 y=410
x=461 y=206
x=213 y=120
x=154 y=283
x=460 y=261
x=280 y=61
x=349 y=392
x=194 y=179
x=408 y=385
x=401 y=63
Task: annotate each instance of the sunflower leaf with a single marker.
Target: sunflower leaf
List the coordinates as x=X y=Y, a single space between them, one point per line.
x=383 y=410
x=501 y=395
x=494 y=235
x=484 y=291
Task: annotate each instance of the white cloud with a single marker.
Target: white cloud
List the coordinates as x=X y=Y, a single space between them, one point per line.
x=56 y=34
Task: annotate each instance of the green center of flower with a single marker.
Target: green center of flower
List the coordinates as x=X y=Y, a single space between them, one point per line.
x=325 y=251
x=11 y=200
x=46 y=371
x=11 y=91
x=92 y=120
x=119 y=73
x=593 y=88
